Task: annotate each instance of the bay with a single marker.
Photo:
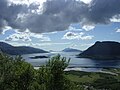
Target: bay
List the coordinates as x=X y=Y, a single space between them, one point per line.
x=82 y=64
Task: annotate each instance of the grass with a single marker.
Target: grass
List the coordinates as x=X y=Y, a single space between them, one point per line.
x=83 y=79
x=96 y=80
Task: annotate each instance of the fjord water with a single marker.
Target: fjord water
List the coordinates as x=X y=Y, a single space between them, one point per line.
x=83 y=64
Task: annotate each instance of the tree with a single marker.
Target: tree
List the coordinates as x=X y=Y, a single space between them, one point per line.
x=15 y=73
x=52 y=76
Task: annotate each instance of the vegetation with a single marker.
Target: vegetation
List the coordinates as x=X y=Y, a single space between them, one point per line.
x=96 y=81
x=16 y=74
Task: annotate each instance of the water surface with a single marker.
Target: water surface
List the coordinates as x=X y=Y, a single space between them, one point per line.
x=78 y=63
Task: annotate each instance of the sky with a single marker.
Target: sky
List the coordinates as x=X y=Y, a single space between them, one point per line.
x=58 y=24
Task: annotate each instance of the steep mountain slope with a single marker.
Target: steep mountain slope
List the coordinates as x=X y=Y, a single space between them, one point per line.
x=102 y=50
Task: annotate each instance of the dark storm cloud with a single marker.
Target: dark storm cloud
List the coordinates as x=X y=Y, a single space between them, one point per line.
x=100 y=11
x=9 y=13
x=2 y=7
x=57 y=15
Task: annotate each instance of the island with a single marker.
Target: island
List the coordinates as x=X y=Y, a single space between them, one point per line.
x=19 y=50
x=37 y=57
x=106 y=50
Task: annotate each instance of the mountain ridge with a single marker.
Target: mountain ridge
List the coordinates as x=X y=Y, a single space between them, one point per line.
x=19 y=50
x=102 y=50
x=71 y=50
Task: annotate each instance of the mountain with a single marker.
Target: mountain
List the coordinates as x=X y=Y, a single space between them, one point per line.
x=102 y=50
x=20 y=50
x=71 y=50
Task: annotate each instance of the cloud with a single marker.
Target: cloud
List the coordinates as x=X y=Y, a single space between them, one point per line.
x=71 y=28
x=19 y=36
x=49 y=33
x=87 y=37
x=56 y=15
x=40 y=37
x=115 y=18
x=6 y=28
x=118 y=30
x=26 y=36
x=79 y=36
x=88 y=27
x=71 y=35
x=85 y=1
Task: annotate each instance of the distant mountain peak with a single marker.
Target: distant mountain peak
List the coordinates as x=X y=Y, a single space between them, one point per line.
x=71 y=50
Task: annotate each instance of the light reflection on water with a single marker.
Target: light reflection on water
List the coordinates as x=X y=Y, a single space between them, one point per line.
x=78 y=63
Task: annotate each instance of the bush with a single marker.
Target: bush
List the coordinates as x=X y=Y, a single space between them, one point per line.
x=16 y=74
x=52 y=75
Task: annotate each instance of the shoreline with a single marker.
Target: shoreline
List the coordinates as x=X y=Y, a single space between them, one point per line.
x=91 y=69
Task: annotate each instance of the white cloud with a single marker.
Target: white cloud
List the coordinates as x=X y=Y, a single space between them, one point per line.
x=115 y=18
x=118 y=30
x=18 y=37
x=88 y=27
x=71 y=35
x=41 y=37
x=19 y=2
x=28 y=2
x=26 y=36
x=85 y=1
x=50 y=33
x=74 y=29
x=81 y=33
x=6 y=28
x=79 y=36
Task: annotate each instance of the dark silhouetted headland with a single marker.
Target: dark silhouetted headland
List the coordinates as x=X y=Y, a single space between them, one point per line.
x=20 y=50
x=102 y=50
